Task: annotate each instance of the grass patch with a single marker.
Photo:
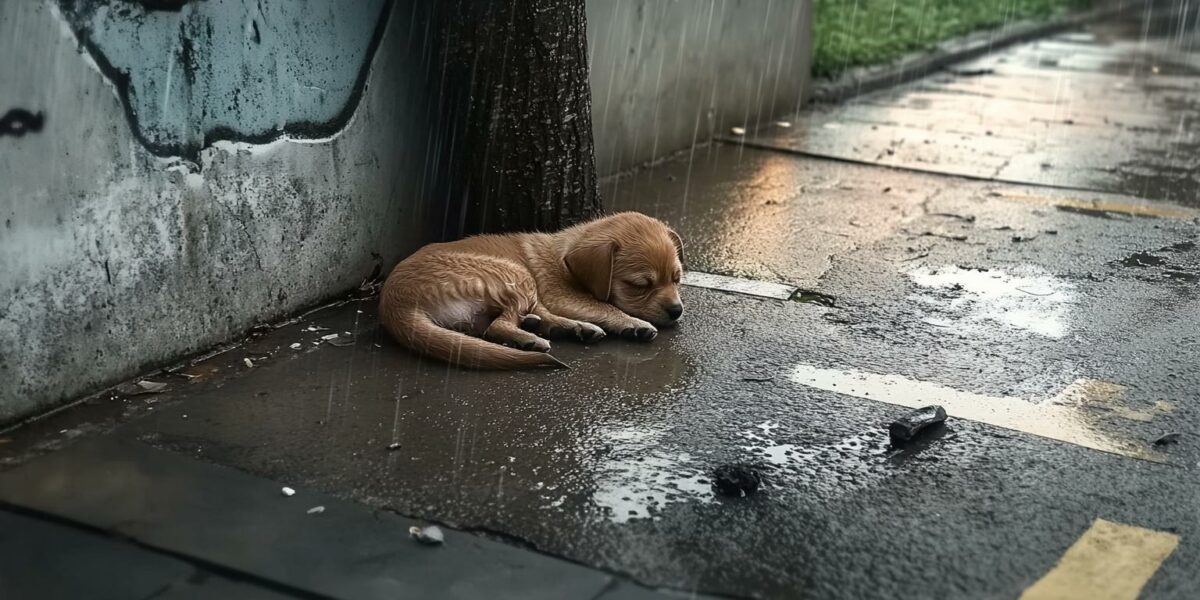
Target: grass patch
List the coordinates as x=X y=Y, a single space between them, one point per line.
x=851 y=33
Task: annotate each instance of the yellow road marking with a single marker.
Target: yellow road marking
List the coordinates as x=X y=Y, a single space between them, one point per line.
x=1110 y=561
x=1064 y=416
x=1128 y=208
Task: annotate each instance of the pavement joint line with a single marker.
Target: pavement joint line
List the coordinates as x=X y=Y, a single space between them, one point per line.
x=749 y=287
x=1061 y=417
x=1143 y=210
x=1110 y=561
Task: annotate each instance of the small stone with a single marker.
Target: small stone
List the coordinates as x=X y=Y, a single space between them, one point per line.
x=287 y=491
x=907 y=427
x=316 y=510
x=249 y=363
x=430 y=536
x=736 y=480
x=295 y=346
x=738 y=130
x=394 y=446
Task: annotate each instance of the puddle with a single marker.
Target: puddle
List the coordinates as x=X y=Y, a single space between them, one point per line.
x=1147 y=259
x=971 y=302
x=1180 y=275
x=642 y=476
x=1143 y=259
x=1068 y=416
x=842 y=466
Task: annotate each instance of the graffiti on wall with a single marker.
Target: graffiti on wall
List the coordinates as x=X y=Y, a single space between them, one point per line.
x=18 y=121
x=193 y=72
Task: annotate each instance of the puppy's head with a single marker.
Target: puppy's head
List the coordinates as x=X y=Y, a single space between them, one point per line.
x=631 y=261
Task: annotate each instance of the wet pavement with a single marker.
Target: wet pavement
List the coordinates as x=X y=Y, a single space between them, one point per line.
x=1112 y=108
x=1057 y=325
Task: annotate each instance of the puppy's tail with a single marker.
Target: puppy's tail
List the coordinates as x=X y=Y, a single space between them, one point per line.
x=416 y=331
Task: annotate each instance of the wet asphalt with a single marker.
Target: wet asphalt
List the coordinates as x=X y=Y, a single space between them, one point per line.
x=963 y=264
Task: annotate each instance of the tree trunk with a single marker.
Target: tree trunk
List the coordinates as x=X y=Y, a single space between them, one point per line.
x=518 y=115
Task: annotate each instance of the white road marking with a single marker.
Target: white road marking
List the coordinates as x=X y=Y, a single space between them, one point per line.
x=750 y=287
x=1062 y=417
x=1110 y=561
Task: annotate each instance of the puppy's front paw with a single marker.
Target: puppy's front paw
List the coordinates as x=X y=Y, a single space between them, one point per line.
x=643 y=332
x=588 y=333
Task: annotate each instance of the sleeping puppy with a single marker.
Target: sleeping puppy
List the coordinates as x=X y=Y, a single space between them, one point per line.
x=480 y=301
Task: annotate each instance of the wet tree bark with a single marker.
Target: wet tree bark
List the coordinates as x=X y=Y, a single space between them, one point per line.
x=517 y=111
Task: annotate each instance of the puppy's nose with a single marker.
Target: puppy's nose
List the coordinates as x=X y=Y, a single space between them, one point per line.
x=675 y=311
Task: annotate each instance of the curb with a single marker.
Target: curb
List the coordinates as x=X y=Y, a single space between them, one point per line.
x=919 y=64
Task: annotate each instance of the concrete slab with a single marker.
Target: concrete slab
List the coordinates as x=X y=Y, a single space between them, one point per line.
x=243 y=524
x=51 y=561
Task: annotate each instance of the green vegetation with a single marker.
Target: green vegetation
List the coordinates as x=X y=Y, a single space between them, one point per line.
x=851 y=33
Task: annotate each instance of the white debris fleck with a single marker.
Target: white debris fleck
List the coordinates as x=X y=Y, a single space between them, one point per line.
x=783 y=124
x=738 y=130
x=431 y=535
x=332 y=336
x=295 y=346
x=287 y=491
x=249 y=363
x=316 y=510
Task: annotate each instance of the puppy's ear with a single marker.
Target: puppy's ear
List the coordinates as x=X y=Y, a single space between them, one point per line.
x=590 y=262
x=678 y=245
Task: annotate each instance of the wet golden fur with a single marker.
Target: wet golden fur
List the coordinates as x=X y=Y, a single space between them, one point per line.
x=490 y=301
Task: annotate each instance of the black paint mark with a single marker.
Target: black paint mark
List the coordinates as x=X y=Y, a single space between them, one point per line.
x=18 y=121
x=185 y=55
x=163 y=5
x=77 y=13
x=257 y=38
x=107 y=273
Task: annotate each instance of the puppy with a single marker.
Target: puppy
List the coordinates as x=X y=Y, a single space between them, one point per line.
x=480 y=301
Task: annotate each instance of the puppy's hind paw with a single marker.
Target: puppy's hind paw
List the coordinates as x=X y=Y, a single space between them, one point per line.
x=531 y=322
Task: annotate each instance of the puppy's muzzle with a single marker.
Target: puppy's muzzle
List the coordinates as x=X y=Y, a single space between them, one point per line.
x=675 y=311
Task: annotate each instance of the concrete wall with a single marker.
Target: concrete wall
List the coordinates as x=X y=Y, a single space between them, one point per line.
x=198 y=171
x=668 y=73
x=176 y=171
